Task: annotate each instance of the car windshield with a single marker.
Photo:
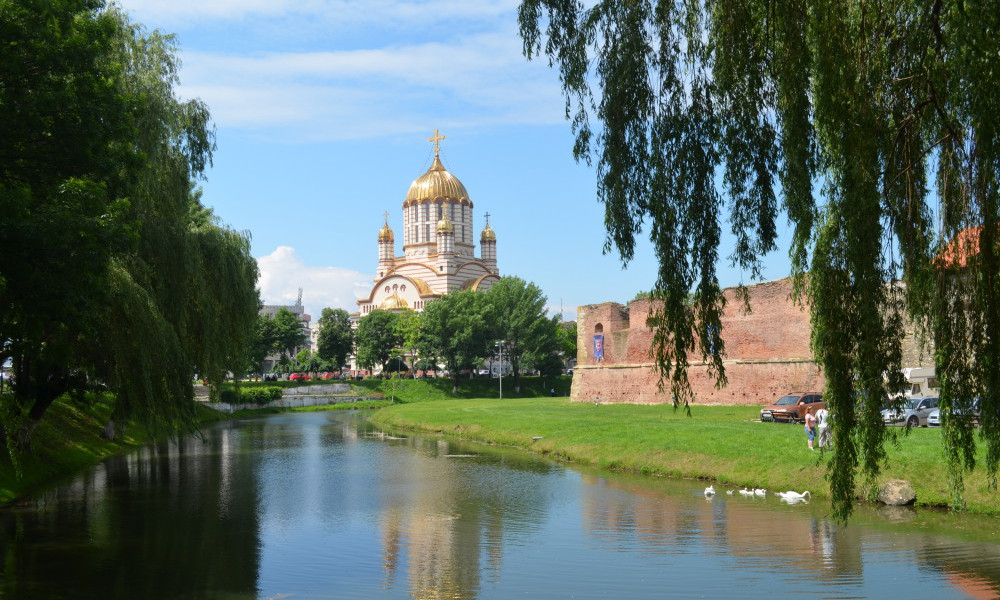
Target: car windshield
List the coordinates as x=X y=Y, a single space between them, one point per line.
x=787 y=401
x=914 y=403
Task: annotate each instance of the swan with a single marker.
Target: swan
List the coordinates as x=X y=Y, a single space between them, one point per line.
x=760 y=492
x=746 y=492
x=794 y=495
x=730 y=492
x=710 y=491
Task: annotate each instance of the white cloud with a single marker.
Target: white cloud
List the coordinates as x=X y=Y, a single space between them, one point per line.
x=340 y=12
x=482 y=80
x=283 y=272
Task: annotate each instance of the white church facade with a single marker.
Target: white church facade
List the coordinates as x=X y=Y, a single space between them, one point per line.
x=438 y=248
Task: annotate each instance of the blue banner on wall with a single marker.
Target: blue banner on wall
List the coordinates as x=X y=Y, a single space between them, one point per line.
x=598 y=347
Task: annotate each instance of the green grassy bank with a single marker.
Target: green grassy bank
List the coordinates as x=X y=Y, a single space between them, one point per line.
x=717 y=443
x=66 y=441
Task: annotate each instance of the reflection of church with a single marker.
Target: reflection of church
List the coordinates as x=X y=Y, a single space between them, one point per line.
x=438 y=249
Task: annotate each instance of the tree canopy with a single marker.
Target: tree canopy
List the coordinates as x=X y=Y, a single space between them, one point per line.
x=516 y=310
x=872 y=125
x=455 y=331
x=376 y=338
x=336 y=338
x=112 y=271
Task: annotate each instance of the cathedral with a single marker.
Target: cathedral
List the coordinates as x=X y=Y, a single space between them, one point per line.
x=438 y=248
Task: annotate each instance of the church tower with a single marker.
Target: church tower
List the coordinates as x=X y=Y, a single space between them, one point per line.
x=488 y=246
x=386 y=243
x=439 y=252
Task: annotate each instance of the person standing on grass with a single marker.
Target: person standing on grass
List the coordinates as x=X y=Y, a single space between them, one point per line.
x=823 y=424
x=810 y=426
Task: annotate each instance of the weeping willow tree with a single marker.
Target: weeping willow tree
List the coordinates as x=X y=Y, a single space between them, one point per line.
x=185 y=281
x=113 y=273
x=872 y=125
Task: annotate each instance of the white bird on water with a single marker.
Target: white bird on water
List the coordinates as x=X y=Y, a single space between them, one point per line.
x=794 y=495
x=710 y=491
x=746 y=492
x=760 y=492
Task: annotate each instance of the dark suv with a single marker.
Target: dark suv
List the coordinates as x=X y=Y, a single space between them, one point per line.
x=791 y=408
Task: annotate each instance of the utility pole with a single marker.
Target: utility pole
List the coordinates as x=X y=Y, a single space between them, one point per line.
x=500 y=346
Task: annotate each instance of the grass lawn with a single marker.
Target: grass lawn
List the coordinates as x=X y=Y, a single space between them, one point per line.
x=718 y=443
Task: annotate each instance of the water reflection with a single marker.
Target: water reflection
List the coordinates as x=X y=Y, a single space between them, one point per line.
x=321 y=505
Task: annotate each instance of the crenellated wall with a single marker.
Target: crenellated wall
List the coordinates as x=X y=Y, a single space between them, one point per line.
x=767 y=352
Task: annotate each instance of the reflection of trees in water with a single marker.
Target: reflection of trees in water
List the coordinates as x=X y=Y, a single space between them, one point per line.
x=450 y=505
x=164 y=522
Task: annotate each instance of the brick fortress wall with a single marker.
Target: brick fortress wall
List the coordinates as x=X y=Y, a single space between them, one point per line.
x=767 y=352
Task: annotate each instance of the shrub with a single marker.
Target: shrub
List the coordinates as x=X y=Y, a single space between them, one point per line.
x=260 y=395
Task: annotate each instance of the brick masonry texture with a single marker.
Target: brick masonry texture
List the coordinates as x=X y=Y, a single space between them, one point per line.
x=767 y=352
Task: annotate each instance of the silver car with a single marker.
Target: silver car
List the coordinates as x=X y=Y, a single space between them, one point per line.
x=913 y=413
x=934 y=419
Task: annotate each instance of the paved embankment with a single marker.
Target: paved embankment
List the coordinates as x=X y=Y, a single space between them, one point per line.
x=298 y=397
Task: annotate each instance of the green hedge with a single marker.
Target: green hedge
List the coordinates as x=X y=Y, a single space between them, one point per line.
x=259 y=395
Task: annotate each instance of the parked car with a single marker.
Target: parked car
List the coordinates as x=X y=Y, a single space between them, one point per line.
x=298 y=377
x=791 y=408
x=961 y=410
x=913 y=413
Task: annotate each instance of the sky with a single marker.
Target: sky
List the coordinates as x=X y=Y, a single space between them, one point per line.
x=323 y=110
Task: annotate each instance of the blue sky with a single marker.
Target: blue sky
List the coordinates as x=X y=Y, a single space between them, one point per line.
x=323 y=109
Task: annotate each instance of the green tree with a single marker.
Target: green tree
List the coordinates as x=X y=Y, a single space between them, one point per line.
x=308 y=362
x=566 y=341
x=288 y=333
x=106 y=244
x=518 y=316
x=377 y=336
x=882 y=103
x=456 y=333
x=262 y=342
x=410 y=327
x=336 y=338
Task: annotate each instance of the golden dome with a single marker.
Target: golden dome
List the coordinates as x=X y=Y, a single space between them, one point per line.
x=445 y=226
x=393 y=302
x=385 y=234
x=436 y=183
x=488 y=234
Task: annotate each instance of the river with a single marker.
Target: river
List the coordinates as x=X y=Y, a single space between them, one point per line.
x=322 y=505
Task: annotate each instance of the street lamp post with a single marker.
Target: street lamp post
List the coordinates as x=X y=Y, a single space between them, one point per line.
x=499 y=345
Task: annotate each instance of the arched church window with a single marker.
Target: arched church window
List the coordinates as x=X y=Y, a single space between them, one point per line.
x=599 y=328
x=386 y=289
x=395 y=287
x=402 y=288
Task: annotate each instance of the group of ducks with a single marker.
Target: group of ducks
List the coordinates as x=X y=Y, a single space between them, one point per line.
x=788 y=496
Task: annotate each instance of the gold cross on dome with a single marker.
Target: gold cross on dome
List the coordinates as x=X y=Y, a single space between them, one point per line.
x=436 y=138
x=487 y=215
x=386 y=214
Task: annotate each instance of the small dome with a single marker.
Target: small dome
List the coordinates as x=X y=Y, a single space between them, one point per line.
x=437 y=182
x=393 y=302
x=445 y=226
x=385 y=234
x=488 y=234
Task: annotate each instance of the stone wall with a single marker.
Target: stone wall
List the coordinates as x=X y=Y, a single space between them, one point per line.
x=767 y=352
